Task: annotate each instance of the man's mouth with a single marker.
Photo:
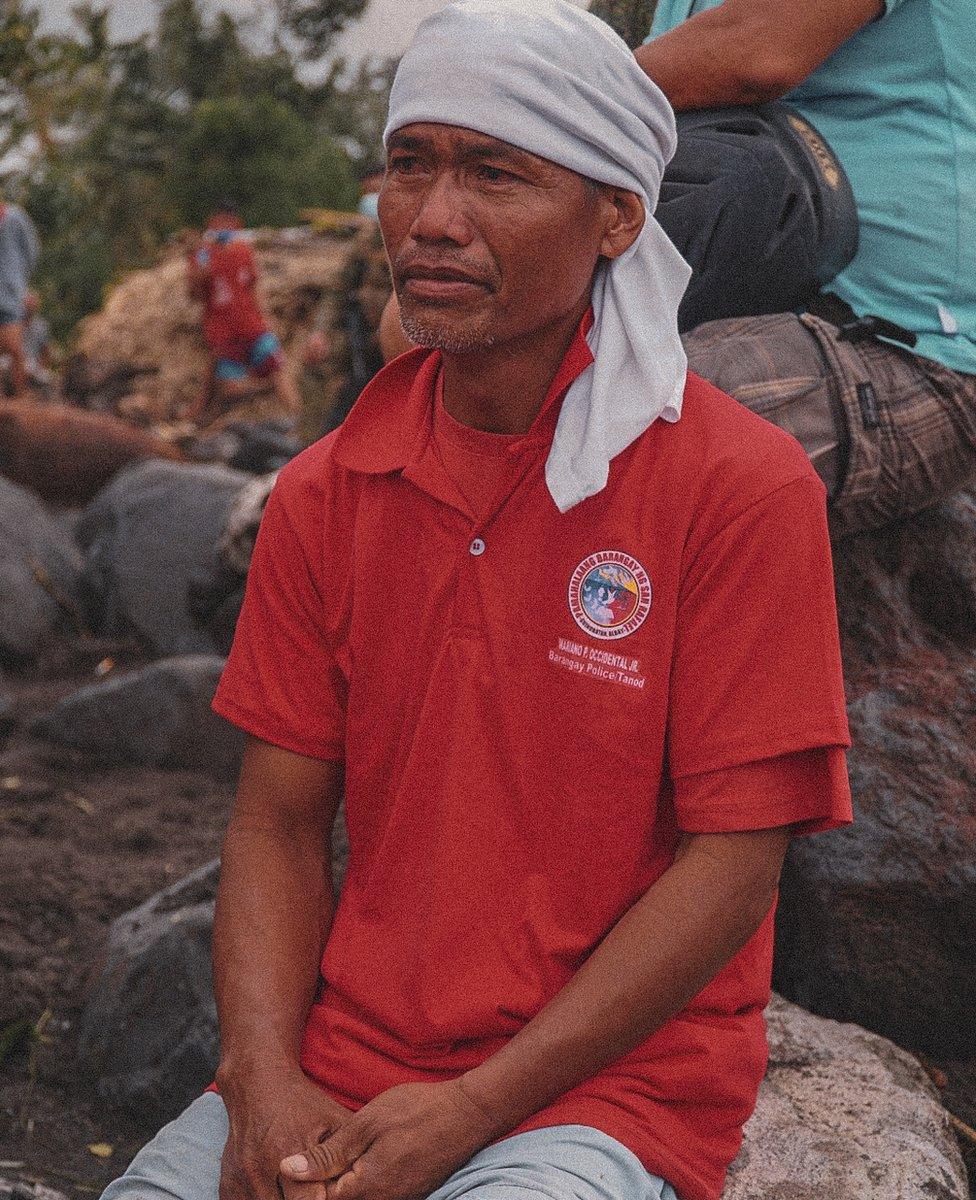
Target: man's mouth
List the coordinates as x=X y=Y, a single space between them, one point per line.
x=441 y=283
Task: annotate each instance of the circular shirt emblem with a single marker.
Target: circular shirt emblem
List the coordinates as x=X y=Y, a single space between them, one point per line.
x=609 y=594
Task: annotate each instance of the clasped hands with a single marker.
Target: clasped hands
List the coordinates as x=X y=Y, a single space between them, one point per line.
x=402 y=1145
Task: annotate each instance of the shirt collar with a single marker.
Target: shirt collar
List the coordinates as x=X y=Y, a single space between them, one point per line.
x=390 y=424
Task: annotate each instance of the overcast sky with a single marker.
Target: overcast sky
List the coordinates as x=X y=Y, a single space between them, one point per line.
x=385 y=29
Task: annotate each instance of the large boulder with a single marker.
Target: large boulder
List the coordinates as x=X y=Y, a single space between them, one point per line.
x=148 y=1040
x=39 y=574
x=159 y=716
x=145 y=536
x=877 y=922
x=843 y=1114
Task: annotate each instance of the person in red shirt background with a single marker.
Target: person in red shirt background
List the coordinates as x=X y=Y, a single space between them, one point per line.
x=223 y=275
x=556 y=618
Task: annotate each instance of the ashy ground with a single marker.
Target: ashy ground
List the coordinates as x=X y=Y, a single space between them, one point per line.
x=79 y=845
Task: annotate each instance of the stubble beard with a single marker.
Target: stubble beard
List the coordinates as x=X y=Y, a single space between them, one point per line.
x=434 y=336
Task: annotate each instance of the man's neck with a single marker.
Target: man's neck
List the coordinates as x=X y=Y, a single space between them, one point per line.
x=502 y=389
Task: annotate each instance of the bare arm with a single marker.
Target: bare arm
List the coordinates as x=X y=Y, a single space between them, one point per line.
x=274 y=913
x=750 y=51
x=657 y=957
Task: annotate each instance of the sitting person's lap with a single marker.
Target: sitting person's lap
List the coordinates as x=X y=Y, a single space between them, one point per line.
x=566 y=1162
x=889 y=432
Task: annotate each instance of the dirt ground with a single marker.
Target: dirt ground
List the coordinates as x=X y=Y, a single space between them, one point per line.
x=79 y=845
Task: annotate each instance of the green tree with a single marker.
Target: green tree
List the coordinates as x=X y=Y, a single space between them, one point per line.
x=260 y=152
x=631 y=18
x=112 y=144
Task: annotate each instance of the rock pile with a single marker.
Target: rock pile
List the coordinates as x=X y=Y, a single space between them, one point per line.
x=143 y=353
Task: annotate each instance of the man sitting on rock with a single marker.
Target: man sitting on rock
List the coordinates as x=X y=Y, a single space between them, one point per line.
x=223 y=274
x=880 y=385
x=557 y=619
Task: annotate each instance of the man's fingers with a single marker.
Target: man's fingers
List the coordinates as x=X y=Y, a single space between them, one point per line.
x=290 y=1190
x=329 y=1159
x=358 y=1183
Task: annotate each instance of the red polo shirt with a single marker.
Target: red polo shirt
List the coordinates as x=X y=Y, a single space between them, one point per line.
x=531 y=707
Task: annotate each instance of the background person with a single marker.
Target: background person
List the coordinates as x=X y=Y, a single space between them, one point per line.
x=879 y=385
x=223 y=274
x=19 y=252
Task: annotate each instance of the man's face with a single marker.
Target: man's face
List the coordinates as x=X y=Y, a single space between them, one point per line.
x=487 y=242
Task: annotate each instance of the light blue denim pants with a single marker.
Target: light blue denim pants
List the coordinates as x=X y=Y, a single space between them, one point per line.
x=566 y=1162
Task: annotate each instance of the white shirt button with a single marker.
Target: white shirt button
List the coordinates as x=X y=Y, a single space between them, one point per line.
x=477 y=547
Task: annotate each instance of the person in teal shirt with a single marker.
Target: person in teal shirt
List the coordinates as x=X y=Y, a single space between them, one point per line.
x=891 y=86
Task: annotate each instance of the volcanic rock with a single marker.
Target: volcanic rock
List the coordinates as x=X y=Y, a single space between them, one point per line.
x=877 y=922
x=159 y=716
x=151 y=530
x=148 y=1038
x=39 y=575
x=845 y=1114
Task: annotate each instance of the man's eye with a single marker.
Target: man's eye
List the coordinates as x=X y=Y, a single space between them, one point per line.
x=496 y=175
x=404 y=164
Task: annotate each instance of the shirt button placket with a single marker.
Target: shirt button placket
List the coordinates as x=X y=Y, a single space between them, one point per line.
x=478 y=547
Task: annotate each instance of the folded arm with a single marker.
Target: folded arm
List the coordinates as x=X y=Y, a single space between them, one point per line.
x=750 y=51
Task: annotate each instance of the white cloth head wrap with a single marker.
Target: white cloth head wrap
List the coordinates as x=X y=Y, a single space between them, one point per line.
x=556 y=81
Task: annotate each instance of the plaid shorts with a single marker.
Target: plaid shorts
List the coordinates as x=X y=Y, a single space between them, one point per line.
x=890 y=433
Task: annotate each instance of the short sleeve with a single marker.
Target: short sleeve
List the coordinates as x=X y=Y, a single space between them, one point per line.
x=283 y=682
x=809 y=790
x=757 y=668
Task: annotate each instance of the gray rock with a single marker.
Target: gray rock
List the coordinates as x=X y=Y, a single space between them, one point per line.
x=148 y=1040
x=146 y=535
x=159 y=716
x=877 y=923
x=11 y=1189
x=33 y=546
x=148 y=1037
x=843 y=1114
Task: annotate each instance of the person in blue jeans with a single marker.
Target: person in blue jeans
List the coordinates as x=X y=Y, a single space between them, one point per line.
x=19 y=251
x=879 y=381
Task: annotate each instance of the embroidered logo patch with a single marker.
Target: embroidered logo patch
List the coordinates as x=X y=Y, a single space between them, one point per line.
x=609 y=594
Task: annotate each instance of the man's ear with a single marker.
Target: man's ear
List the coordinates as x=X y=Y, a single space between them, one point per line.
x=625 y=217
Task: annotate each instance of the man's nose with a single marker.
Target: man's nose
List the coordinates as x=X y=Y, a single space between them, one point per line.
x=442 y=216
